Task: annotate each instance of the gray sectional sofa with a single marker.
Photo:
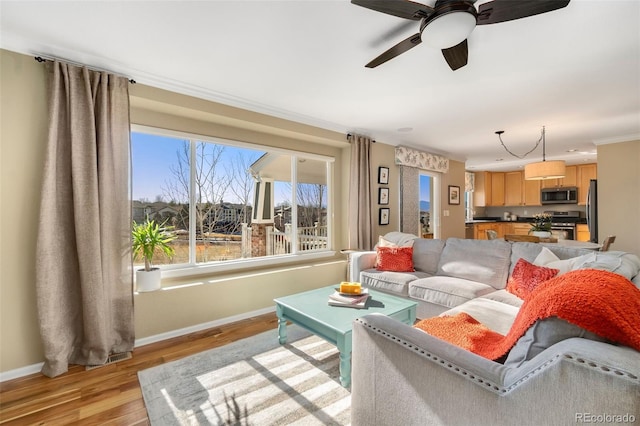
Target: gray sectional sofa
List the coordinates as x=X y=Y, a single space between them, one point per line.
x=556 y=374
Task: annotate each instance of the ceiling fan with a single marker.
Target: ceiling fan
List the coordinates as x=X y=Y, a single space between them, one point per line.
x=447 y=25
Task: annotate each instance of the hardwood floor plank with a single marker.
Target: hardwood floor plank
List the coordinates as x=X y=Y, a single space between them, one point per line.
x=110 y=395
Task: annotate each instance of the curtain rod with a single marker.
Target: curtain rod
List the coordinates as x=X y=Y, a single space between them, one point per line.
x=349 y=137
x=41 y=59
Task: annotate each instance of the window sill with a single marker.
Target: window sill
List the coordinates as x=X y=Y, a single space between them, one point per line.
x=239 y=265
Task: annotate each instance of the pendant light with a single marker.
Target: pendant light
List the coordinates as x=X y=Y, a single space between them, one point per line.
x=544 y=169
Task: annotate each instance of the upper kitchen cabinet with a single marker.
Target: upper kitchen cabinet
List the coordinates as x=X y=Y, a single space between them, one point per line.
x=497 y=189
x=586 y=172
x=570 y=179
x=511 y=189
x=482 y=189
x=532 y=192
x=513 y=184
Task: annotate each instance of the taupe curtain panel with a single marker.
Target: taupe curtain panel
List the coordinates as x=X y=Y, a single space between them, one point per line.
x=83 y=281
x=360 y=225
x=410 y=200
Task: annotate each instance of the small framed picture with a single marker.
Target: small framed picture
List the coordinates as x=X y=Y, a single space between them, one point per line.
x=383 y=175
x=454 y=194
x=384 y=216
x=383 y=196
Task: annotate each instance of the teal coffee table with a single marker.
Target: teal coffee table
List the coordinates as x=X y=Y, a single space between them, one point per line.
x=310 y=310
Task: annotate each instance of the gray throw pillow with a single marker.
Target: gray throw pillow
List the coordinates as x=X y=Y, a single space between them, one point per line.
x=542 y=335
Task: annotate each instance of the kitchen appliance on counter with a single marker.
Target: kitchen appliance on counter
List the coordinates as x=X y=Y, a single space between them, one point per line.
x=561 y=195
x=563 y=224
x=592 y=210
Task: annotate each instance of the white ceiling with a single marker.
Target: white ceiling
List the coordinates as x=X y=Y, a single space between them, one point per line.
x=575 y=70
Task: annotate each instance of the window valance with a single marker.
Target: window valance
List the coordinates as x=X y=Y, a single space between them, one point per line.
x=421 y=160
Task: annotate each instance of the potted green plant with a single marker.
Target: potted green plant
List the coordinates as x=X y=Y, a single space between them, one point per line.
x=149 y=238
x=541 y=226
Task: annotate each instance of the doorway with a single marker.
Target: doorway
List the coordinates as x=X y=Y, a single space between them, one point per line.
x=429 y=196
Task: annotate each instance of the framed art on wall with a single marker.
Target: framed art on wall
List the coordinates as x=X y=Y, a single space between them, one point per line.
x=454 y=194
x=383 y=196
x=384 y=216
x=383 y=175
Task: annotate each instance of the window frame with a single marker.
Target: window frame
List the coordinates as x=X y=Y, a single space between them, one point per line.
x=195 y=268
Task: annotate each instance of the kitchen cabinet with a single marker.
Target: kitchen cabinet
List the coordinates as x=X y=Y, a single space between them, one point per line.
x=482 y=189
x=513 y=182
x=480 y=229
x=570 y=179
x=586 y=172
x=531 y=192
x=520 y=228
x=582 y=232
x=497 y=189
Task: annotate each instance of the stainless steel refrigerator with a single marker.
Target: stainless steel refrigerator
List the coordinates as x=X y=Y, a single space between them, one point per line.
x=592 y=210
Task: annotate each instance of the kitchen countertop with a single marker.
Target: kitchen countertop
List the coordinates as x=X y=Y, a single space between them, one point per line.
x=520 y=220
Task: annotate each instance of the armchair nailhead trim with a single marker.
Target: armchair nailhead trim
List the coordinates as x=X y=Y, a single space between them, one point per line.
x=500 y=390
x=452 y=367
x=604 y=368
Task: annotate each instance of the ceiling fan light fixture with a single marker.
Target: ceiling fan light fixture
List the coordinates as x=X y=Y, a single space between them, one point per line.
x=450 y=28
x=545 y=170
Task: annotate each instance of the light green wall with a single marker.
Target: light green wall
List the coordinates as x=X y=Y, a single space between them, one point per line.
x=23 y=103
x=182 y=303
x=619 y=194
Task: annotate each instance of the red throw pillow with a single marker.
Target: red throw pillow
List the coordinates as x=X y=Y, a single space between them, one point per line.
x=526 y=277
x=395 y=259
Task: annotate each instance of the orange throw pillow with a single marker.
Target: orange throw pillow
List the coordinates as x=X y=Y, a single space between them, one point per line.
x=395 y=259
x=526 y=277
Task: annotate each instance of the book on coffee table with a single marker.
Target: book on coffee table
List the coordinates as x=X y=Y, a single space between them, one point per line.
x=357 y=301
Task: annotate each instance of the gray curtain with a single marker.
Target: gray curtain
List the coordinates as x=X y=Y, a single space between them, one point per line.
x=83 y=281
x=360 y=224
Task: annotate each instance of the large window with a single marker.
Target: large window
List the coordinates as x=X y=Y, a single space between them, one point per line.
x=228 y=202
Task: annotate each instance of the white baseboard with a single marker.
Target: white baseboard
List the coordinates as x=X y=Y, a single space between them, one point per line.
x=199 y=327
x=35 y=368
x=20 y=372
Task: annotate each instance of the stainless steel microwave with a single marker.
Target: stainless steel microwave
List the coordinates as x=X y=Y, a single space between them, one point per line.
x=561 y=195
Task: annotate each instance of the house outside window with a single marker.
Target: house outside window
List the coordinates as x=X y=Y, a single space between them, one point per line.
x=230 y=203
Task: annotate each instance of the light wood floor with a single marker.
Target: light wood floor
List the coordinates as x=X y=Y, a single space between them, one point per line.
x=111 y=394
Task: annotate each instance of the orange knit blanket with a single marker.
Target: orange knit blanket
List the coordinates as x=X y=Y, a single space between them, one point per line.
x=599 y=301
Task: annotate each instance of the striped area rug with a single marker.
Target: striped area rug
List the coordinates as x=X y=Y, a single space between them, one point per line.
x=254 y=381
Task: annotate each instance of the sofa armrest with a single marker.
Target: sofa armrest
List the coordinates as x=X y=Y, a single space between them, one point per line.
x=360 y=261
x=401 y=375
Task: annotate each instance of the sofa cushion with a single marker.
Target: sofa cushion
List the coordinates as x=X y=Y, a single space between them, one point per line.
x=390 y=282
x=494 y=314
x=485 y=261
x=526 y=277
x=529 y=252
x=522 y=250
x=565 y=265
x=426 y=254
x=542 y=335
x=396 y=259
x=447 y=291
x=503 y=296
x=625 y=264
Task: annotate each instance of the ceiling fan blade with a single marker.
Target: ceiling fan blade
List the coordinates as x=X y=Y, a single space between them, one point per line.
x=396 y=50
x=507 y=10
x=392 y=33
x=457 y=55
x=401 y=8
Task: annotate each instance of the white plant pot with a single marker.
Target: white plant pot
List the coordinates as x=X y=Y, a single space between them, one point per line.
x=148 y=281
x=541 y=234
